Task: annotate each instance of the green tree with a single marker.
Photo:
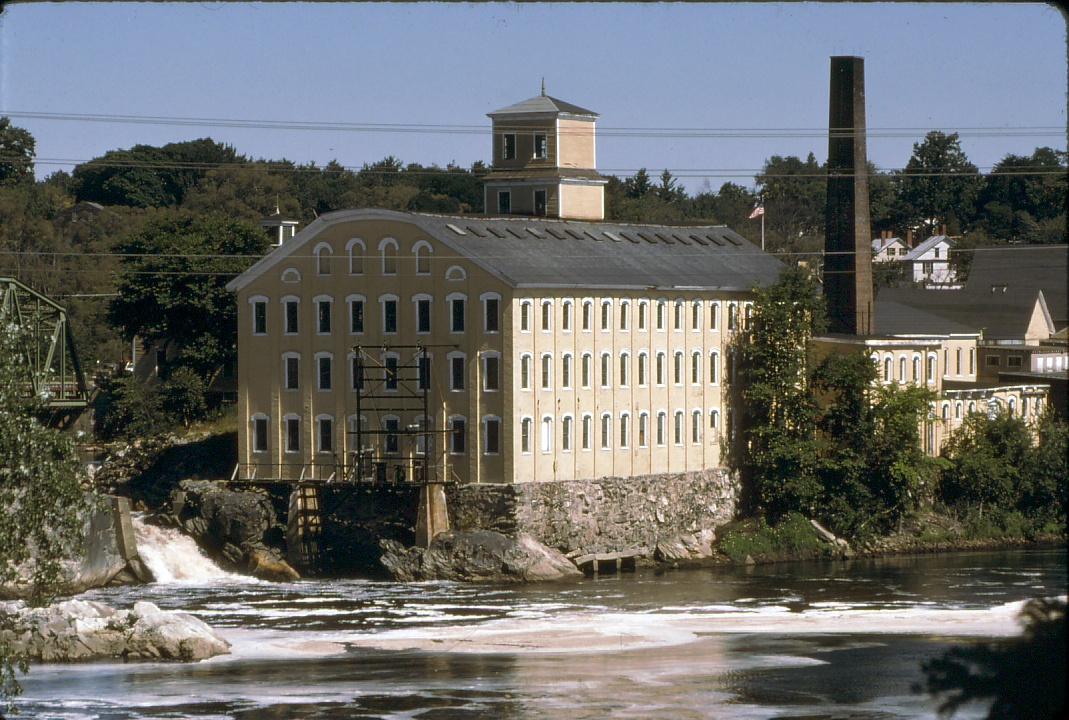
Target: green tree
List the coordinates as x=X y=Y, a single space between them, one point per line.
x=171 y=287
x=938 y=185
x=669 y=190
x=17 y=150
x=794 y=192
x=639 y=185
x=40 y=492
x=986 y=456
x=1023 y=196
x=1045 y=492
x=182 y=396
x=1023 y=678
x=779 y=415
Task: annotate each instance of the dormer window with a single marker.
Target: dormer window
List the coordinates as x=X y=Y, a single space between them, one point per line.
x=541 y=147
x=508 y=146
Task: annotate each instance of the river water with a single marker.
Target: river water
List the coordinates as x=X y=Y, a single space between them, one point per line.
x=841 y=640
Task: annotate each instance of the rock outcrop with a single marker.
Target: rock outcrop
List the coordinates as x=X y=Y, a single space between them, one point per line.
x=79 y=631
x=482 y=555
x=685 y=547
x=239 y=529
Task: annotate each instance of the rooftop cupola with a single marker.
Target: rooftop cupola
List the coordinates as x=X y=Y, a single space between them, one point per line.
x=278 y=228
x=545 y=160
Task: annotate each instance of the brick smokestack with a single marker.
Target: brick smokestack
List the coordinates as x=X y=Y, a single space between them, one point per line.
x=848 y=229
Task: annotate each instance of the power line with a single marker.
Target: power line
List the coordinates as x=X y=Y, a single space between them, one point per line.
x=283 y=167
x=442 y=128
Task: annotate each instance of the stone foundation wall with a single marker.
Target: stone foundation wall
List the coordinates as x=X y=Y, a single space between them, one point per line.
x=604 y=515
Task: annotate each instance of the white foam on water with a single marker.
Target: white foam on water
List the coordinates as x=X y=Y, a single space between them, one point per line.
x=173 y=557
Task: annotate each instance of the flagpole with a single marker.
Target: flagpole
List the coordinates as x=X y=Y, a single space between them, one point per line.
x=762 y=232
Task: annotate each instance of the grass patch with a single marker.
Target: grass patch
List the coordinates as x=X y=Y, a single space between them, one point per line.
x=792 y=538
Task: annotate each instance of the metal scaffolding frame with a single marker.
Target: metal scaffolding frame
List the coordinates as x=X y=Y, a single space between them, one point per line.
x=407 y=453
x=47 y=345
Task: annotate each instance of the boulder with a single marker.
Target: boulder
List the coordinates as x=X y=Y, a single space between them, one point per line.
x=79 y=631
x=239 y=529
x=481 y=555
x=684 y=547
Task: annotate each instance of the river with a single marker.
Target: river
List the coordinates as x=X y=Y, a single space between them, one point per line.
x=840 y=640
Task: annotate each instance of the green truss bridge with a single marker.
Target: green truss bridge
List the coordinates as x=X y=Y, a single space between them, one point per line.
x=47 y=345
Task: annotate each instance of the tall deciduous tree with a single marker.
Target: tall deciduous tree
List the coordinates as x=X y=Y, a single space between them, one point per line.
x=793 y=191
x=938 y=185
x=172 y=281
x=40 y=492
x=17 y=150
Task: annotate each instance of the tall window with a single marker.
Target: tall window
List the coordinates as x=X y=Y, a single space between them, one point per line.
x=491 y=372
x=696 y=315
x=677 y=315
x=292 y=365
x=624 y=308
x=696 y=368
x=356 y=257
x=456 y=371
x=389 y=316
x=547 y=434
x=643 y=429
x=714 y=312
x=492 y=435
x=491 y=314
x=733 y=316
x=714 y=419
x=642 y=360
x=586 y=370
x=422 y=252
x=525 y=435
x=606 y=431
x=326 y=434
x=587 y=431
x=323 y=308
x=293 y=434
x=504 y=202
x=525 y=372
x=292 y=313
x=566 y=434
x=259 y=317
x=323 y=363
x=423 y=315
x=259 y=434
x=525 y=316
x=625 y=428
x=625 y=362
x=356 y=316
x=541 y=206
x=714 y=365
x=972 y=360
x=391 y=363
x=541 y=146
x=916 y=369
x=605 y=377
x=642 y=309
x=696 y=426
x=547 y=372
x=957 y=361
x=457 y=435
x=566 y=371
x=547 y=315
x=456 y=314
x=660 y=368
x=677 y=427
x=931 y=368
x=388 y=248
x=322 y=253
x=901 y=370
x=423 y=381
x=887 y=369
x=508 y=146
x=392 y=426
x=588 y=309
x=566 y=316
x=357 y=372
x=677 y=368
x=660 y=314
x=661 y=419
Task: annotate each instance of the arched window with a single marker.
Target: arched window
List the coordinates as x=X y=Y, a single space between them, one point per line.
x=957 y=361
x=547 y=434
x=588 y=310
x=957 y=410
x=625 y=430
x=696 y=426
x=714 y=313
x=643 y=361
x=733 y=316
x=525 y=316
x=931 y=369
x=606 y=431
x=323 y=256
x=525 y=434
x=547 y=371
x=625 y=363
x=585 y=372
x=696 y=368
x=677 y=368
x=696 y=316
x=356 y=250
x=1012 y=404
x=423 y=250
x=643 y=310
x=887 y=369
x=946 y=412
x=625 y=307
x=661 y=307
x=659 y=369
x=388 y=250
x=677 y=315
x=747 y=317
x=588 y=430
x=916 y=368
x=677 y=428
x=606 y=311
x=566 y=434
x=662 y=418
x=525 y=371
x=606 y=370
x=714 y=368
x=643 y=428
x=455 y=273
x=547 y=315
x=566 y=371
x=901 y=369
x=566 y=316
x=714 y=419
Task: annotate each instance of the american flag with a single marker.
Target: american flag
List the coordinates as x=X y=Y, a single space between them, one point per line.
x=757 y=212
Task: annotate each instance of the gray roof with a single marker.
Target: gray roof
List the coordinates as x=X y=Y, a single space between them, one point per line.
x=918 y=311
x=542 y=104
x=540 y=252
x=926 y=246
x=1022 y=268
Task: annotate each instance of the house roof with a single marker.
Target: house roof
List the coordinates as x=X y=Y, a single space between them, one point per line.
x=1022 y=268
x=542 y=104
x=927 y=245
x=911 y=310
x=540 y=252
x=878 y=244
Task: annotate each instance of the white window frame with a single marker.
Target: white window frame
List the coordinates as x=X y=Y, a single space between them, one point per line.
x=677 y=428
x=545 y=434
x=662 y=428
x=386 y=357
x=696 y=315
x=361 y=257
x=383 y=299
x=487 y=419
x=642 y=379
x=714 y=368
x=625 y=307
x=625 y=431
x=320 y=250
x=696 y=427
x=449 y=358
x=606 y=431
x=605 y=316
x=421 y=259
x=643 y=315
x=605 y=366
x=330 y=314
x=526 y=434
x=349 y=300
x=566 y=371
x=323 y=355
x=714 y=316
x=588 y=315
x=449 y=300
x=567 y=441
x=285 y=371
x=545 y=317
x=284 y=301
x=677 y=315
x=452 y=434
x=484 y=301
x=624 y=375
x=319 y=433
x=696 y=368
x=286 y=433
x=566 y=316
x=586 y=370
x=643 y=429
x=486 y=357
x=545 y=371
x=389 y=242
x=526 y=308
x=586 y=432
x=416 y=299
x=260 y=417
x=262 y=301
x=526 y=367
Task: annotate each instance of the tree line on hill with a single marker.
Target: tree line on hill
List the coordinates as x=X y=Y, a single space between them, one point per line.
x=101 y=229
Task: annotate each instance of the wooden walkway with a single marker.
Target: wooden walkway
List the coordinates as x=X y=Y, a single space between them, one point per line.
x=610 y=563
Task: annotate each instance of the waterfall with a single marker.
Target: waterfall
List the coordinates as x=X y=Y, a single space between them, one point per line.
x=173 y=557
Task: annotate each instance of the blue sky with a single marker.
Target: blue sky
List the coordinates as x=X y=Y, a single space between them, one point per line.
x=762 y=65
